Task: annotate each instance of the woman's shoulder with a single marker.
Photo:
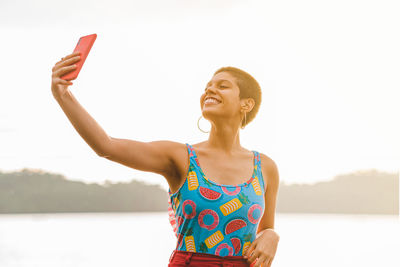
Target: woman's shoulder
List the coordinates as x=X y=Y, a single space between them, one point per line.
x=269 y=170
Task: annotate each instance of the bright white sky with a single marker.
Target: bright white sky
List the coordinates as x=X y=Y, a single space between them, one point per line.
x=329 y=71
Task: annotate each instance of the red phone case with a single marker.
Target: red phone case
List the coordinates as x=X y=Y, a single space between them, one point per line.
x=84 y=45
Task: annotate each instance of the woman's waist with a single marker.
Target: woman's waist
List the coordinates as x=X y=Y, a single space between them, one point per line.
x=208 y=255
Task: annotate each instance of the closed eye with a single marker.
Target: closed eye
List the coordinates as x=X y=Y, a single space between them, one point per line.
x=220 y=86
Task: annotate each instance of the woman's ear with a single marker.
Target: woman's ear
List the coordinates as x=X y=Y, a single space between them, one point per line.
x=248 y=104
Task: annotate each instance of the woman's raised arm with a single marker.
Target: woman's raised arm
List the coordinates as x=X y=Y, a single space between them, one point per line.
x=154 y=156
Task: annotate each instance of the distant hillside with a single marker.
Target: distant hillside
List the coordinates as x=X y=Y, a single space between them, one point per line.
x=29 y=191
x=35 y=192
x=363 y=192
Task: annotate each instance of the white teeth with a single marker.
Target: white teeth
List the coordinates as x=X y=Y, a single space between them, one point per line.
x=211 y=100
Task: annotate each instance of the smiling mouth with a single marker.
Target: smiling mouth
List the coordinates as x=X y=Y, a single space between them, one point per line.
x=211 y=101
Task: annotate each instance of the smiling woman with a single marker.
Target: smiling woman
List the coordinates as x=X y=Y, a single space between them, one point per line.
x=220 y=217
x=248 y=88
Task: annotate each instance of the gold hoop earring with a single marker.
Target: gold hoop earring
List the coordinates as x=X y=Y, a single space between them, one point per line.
x=199 y=125
x=244 y=125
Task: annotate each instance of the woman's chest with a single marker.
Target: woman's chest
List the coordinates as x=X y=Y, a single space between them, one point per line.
x=226 y=171
x=199 y=197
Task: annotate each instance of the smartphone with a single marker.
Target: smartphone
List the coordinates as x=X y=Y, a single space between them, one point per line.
x=83 y=46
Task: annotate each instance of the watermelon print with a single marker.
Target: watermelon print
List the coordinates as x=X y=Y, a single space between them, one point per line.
x=237 y=244
x=213 y=218
x=209 y=194
x=234 y=225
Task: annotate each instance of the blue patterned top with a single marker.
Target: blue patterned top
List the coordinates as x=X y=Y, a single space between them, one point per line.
x=215 y=218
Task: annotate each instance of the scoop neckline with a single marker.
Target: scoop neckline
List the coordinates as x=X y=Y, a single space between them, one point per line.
x=226 y=185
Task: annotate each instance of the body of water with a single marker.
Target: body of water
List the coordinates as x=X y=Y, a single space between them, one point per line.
x=146 y=239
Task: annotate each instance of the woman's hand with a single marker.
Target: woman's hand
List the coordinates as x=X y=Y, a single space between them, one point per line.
x=263 y=248
x=65 y=65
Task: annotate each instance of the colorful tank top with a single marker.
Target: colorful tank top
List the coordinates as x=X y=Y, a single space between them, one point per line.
x=213 y=218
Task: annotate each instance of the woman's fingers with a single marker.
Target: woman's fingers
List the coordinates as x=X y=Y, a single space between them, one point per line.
x=59 y=80
x=255 y=257
x=69 y=56
x=252 y=257
x=61 y=71
x=261 y=262
x=77 y=53
x=66 y=62
x=269 y=262
x=65 y=65
x=66 y=58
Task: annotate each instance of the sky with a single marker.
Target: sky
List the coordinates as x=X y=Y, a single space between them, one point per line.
x=328 y=70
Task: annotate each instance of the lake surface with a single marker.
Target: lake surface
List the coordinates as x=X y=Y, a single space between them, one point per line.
x=146 y=239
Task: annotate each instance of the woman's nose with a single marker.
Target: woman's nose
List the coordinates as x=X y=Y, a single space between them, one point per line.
x=210 y=88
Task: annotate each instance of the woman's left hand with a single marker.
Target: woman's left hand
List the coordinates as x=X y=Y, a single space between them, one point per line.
x=263 y=248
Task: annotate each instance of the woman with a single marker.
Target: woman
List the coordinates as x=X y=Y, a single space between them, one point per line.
x=222 y=217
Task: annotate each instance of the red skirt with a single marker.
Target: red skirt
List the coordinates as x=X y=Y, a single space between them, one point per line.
x=180 y=258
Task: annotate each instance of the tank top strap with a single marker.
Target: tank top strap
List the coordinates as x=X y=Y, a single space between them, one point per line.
x=259 y=170
x=192 y=156
x=190 y=150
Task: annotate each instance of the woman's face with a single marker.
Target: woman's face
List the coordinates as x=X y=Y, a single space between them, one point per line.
x=224 y=89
